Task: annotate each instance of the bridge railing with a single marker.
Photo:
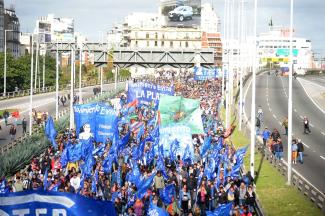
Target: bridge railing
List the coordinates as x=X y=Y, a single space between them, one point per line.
x=298 y=181
x=47 y=89
x=38 y=128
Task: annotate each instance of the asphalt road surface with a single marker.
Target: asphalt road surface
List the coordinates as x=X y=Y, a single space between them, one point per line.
x=272 y=95
x=41 y=102
x=318 y=79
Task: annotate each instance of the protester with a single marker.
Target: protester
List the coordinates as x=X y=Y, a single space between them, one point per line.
x=135 y=175
x=294 y=151
x=285 y=125
x=306 y=125
x=12 y=132
x=300 y=150
x=24 y=126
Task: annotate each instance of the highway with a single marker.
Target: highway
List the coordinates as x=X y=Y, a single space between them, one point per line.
x=272 y=95
x=41 y=102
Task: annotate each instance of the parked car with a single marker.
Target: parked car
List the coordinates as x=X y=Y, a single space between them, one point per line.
x=181 y=13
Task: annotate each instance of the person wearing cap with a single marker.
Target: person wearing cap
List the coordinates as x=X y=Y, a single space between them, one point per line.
x=300 y=151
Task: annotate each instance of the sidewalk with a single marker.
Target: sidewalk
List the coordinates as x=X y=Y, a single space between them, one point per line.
x=315 y=92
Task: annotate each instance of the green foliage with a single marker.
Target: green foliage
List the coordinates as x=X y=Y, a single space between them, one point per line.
x=21 y=155
x=18 y=71
x=124 y=73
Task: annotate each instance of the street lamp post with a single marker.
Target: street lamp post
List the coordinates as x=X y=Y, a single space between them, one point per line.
x=31 y=88
x=5 y=64
x=80 y=68
x=290 y=97
x=57 y=81
x=253 y=108
x=72 y=89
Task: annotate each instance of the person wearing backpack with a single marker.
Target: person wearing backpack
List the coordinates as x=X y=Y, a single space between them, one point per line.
x=300 y=151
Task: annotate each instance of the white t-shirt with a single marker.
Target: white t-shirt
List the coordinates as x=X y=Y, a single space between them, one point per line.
x=75 y=182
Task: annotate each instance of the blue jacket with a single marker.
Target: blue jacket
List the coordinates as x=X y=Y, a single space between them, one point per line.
x=266 y=134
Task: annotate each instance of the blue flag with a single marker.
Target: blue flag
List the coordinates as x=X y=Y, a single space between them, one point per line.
x=167 y=193
x=156 y=211
x=107 y=163
x=140 y=133
x=64 y=157
x=235 y=170
x=223 y=210
x=240 y=153
x=134 y=175
x=87 y=148
x=50 y=131
x=94 y=182
x=122 y=142
x=161 y=166
x=51 y=202
x=144 y=185
x=206 y=145
x=187 y=157
x=87 y=166
x=74 y=152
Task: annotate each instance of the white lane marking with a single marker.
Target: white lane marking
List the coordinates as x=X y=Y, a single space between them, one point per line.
x=279 y=122
x=295 y=110
x=310 y=96
x=274 y=116
x=323 y=133
x=313 y=83
x=301 y=117
x=270 y=109
x=306 y=145
x=322 y=157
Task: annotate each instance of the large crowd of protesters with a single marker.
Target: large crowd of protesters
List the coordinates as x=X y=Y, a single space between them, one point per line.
x=196 y=192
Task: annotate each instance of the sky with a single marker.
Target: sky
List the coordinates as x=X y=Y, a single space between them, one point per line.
x=94 y=16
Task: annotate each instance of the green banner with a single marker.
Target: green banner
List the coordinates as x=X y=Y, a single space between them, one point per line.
x=178 y=110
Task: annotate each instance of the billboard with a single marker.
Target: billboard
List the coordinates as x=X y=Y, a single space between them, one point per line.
x=181 y=13
x=63 y=29
x=44 y=31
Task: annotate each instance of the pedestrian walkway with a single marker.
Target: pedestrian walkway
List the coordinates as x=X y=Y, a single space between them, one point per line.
x=315 y=92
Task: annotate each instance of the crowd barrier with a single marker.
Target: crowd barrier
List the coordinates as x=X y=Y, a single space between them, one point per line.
x=298 y=181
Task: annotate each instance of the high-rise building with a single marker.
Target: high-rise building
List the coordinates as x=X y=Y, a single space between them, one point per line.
x=12 y=25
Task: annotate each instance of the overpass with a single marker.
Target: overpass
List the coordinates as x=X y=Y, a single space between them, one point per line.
x=143 y=57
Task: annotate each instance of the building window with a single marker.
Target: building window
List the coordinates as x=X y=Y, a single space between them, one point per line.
x=171 y=44
x=156 y=43
x=147 y=35
x=156 y=35
x=136 y=43
x=162 y=43
x=186 y=43
x=147 y=43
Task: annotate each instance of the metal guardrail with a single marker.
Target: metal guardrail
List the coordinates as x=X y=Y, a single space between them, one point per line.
x=22 y=93
x=37 y=129
x=299 y=182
